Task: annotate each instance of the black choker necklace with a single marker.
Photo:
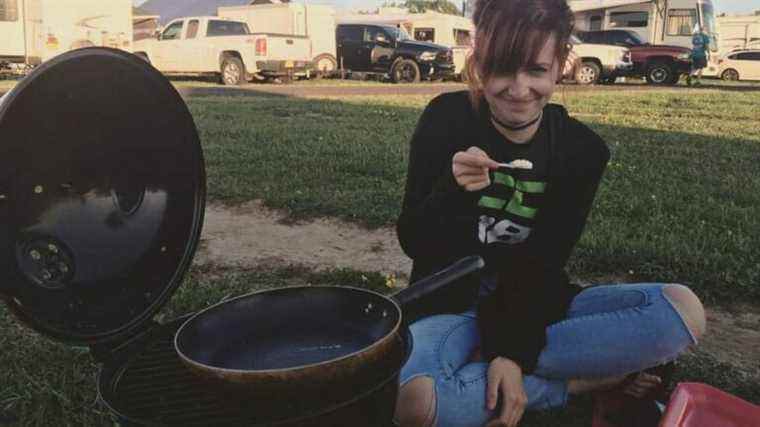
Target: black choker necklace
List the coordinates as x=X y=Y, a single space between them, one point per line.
x=518 y=127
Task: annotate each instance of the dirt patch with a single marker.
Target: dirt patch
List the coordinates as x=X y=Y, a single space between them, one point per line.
x=252 y=235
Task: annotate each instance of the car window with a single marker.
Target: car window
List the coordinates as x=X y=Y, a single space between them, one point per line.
x=192 y=29
x=226 y=28
x=372 y=32
x=748 y=56
x=351 y=33
x=173 y=31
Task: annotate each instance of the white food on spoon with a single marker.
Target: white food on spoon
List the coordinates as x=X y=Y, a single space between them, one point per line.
x=518 y=164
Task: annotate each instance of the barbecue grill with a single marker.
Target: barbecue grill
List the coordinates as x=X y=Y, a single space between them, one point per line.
x=102 y=193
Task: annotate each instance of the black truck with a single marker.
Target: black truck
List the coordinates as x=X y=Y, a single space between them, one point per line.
x=389 y=51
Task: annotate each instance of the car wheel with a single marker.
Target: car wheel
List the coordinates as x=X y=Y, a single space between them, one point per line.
x=233 y=72
x=325 y=65
x=659 y=73
x=588 y=73
x=405 y=71
x=730 y=74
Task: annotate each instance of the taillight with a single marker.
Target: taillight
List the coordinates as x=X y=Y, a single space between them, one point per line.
x=52 y=40
x=261 y=47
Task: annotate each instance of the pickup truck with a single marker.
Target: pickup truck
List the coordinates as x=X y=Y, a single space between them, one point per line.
x=211 y=45
x=388 y=50
x=600 y=62
x=659 y=64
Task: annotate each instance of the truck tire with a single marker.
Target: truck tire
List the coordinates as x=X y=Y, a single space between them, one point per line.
x=730 y=74
x=405 y=71
x=588 y=73
x=325 y=65
x=233 y=71
x=659 y=73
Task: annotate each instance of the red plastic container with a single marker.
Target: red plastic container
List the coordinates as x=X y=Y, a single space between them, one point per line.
x=699 y=405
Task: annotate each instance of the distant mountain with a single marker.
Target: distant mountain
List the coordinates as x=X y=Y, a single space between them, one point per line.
x=170 y=9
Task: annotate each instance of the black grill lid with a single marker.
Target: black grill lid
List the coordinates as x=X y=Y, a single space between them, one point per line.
x=102 y=190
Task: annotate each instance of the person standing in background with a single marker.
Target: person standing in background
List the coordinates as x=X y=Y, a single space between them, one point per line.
x=700 y=54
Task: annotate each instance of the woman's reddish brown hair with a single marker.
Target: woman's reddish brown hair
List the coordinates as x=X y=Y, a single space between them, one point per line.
x=509 y=34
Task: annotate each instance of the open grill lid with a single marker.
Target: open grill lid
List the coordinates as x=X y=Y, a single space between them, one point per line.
x=102 y=192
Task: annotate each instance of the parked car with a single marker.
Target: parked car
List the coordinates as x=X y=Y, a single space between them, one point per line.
x=740 y=65
x=600 y=62
x=659 y=64
x=211 y=45
x=388 y=50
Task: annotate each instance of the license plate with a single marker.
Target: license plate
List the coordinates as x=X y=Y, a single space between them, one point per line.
x=288 y=64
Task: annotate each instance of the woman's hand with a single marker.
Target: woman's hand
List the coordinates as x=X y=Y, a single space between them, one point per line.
x=505 y=377
x=471 y=168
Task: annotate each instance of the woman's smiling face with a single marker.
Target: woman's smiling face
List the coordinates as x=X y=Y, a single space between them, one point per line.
x=519 y=97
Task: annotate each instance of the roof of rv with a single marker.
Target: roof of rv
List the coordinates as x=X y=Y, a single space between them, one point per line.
x=584 y=5
x=172 y=9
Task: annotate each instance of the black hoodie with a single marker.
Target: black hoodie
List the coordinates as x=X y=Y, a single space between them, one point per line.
x=525 y=224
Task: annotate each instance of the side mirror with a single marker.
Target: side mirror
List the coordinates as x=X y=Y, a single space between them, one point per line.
x=157 y=35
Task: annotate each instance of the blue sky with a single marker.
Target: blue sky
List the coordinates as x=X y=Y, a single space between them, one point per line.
x=730 y=6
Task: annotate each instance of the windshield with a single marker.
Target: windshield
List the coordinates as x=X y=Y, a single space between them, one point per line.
x=708 y=24
x=399 y=34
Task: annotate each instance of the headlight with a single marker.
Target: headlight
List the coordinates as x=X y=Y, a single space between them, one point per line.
x=684 y=56
x=428 y=56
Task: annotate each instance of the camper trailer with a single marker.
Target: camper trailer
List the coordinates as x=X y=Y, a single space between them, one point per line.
x=658 y=22
x=739 y=32
x=33 y=31
x=315 y=21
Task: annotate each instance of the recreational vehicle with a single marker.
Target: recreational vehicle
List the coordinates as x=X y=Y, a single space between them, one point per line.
x=739 y=32
x=33 y=31
x=668 y=22
x=315 y=21
x=658 y=22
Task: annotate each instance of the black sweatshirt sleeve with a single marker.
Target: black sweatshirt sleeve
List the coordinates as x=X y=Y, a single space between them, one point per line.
x=436 y=221
x=529 y=297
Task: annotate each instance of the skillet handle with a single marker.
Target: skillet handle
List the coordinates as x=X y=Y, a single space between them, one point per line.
x=430 y=284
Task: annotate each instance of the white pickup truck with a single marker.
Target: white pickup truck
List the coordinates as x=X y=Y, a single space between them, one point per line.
x=600 y=62
x=212 y=45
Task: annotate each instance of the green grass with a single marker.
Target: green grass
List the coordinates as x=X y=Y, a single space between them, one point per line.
x=46 y=383
x=678 y=203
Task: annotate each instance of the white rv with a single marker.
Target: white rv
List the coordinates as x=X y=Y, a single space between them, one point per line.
x=33 y=31
x=315 y=21
x=739 y=32
x=659 y=22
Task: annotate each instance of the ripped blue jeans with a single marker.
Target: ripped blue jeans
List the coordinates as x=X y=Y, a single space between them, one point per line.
x=609 y=330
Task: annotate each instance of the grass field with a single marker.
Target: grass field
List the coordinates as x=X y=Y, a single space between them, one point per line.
x=679 y=202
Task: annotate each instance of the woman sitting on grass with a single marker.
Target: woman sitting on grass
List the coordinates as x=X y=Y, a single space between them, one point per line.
x=500 y=172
